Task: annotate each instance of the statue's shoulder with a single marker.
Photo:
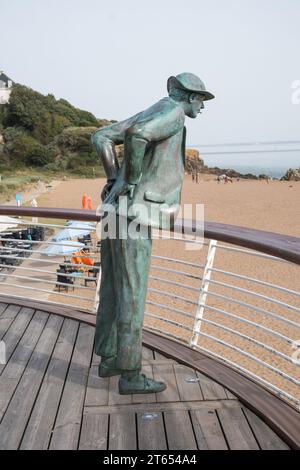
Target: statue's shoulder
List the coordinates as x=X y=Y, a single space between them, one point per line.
x=166 y=108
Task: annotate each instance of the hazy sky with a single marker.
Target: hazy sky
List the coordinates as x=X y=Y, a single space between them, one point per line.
x=113 y=58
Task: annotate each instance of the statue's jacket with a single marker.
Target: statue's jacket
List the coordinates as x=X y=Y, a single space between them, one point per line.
x=154 y=155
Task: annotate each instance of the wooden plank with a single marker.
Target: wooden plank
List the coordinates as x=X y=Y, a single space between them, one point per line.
x=207 y=429
x=278 y=414
x=147 y=397
x=122 y=432
x=39 y=428
x=16 y=331
x=236 y=429
x=44 y=306
x=7 y=317
x=161 y=357
x=96 y=359
x=159 y=362
x=170 y=348
x=188 y=390
x=14 y=369
x=16 y=417
x=165 y=373
x=151 y=431
x=164 y=406
x=3 y=307
x=147 y=354
x=67 y=426
x=179 y=430
x=266 y=438
x=211 y=390
x=230 y=396
x=94 y=432
x=97 y=389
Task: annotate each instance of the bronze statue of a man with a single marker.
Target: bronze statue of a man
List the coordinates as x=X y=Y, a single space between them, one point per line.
x=146 y=191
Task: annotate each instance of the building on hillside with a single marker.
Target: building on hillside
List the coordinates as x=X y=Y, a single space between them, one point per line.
x=5 y=87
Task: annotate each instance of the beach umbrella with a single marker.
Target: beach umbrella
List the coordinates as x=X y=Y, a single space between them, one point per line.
x=80 y=223
x=8 y=222
x=62 y=248
x=69 y=233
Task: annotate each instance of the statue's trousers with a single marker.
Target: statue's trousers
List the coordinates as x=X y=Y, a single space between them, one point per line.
x=125 y=265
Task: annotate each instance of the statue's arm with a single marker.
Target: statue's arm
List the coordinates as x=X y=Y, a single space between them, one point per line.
x=106 y=150
x=137 y=137
x=105 y=139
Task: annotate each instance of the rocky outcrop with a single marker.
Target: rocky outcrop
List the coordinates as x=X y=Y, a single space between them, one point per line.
x=293 y=174
x=229 y=172
x=193 y=162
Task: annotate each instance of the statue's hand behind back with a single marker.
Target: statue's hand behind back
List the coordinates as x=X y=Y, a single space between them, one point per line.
x=107 y=188
x=125 y=189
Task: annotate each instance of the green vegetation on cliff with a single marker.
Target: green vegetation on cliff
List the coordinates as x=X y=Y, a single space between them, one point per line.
x=47 y=134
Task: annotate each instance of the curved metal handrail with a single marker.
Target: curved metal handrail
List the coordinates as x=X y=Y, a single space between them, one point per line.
x=281 y=246
x=275 y=244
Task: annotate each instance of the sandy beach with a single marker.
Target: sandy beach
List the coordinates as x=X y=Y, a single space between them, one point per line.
x=33 y=190
x=272 y=206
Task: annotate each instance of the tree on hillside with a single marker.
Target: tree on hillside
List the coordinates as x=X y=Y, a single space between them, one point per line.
x=43 y=117
x=39 y=130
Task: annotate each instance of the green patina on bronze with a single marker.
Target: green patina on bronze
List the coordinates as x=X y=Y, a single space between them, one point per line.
x=151 y=175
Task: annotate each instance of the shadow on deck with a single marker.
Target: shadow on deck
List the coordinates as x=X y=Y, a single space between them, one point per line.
x=52 y=398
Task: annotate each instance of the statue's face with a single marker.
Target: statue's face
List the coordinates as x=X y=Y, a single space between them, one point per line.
x=191 y=102
x=195 y=105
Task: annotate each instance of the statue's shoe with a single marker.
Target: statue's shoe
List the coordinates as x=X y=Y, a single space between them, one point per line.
x=107 y=368
x=141 y=384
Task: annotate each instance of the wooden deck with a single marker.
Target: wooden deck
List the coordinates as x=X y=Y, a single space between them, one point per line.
x=52 y=398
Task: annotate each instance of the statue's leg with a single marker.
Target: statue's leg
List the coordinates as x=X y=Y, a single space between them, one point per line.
x=131 y=276
x=106 y=332
x=133 y=263
x=131 y=279
x=125 y=270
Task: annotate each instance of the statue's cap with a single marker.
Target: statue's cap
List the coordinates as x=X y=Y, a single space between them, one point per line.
x=190 y=82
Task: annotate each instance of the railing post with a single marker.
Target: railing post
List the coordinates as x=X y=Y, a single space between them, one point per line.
x=203 y=292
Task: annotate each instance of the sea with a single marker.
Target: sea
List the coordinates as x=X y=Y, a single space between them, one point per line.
x=268 y=158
